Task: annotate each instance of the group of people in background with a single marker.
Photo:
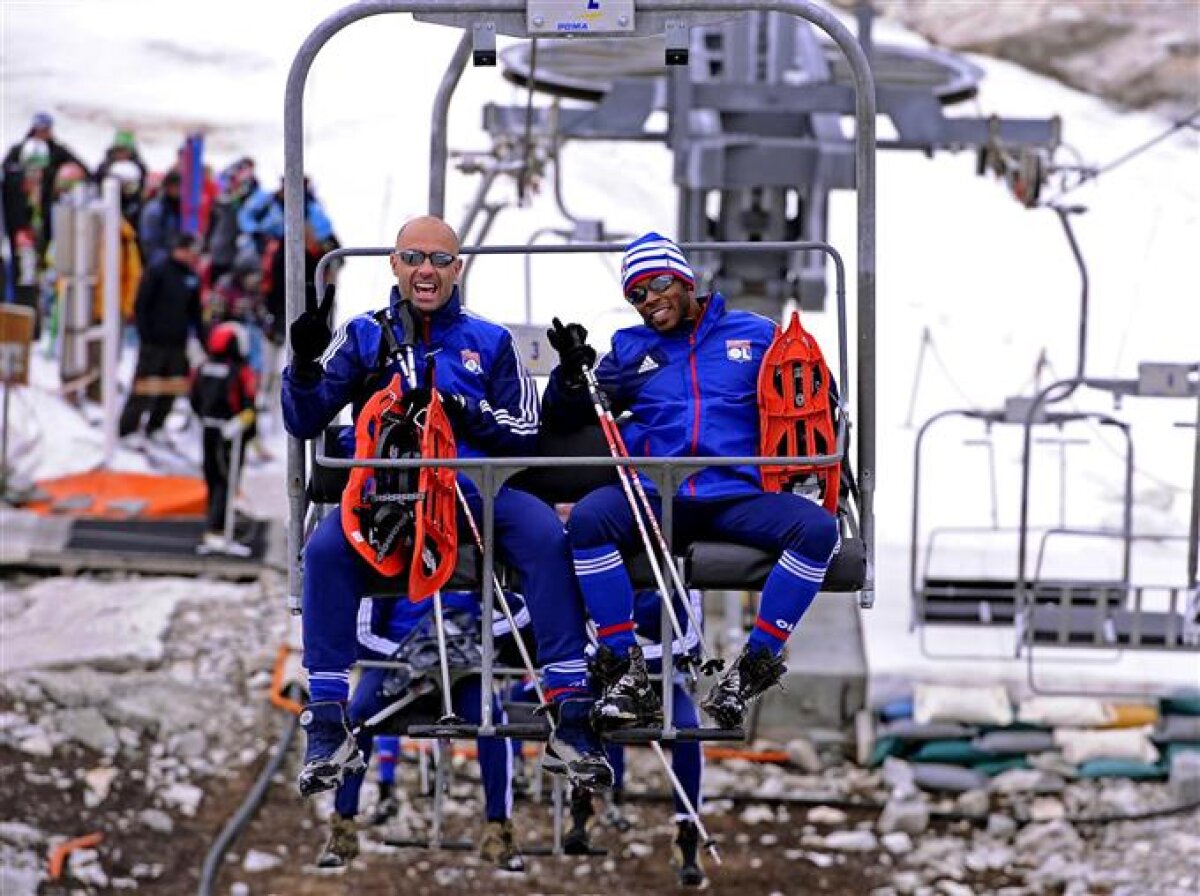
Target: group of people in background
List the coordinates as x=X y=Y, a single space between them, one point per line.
x=183 y=271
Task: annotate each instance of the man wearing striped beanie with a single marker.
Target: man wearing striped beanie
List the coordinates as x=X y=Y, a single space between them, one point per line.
x=687 y=378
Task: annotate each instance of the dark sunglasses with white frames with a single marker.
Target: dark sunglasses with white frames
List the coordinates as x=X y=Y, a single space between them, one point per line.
x=661 y=283
x=415 y=258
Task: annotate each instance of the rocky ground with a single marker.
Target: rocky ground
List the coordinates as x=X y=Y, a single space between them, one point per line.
x=1140 y=54
x=151 y=727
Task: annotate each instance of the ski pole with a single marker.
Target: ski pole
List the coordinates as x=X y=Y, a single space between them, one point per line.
x=693 y=814
x=231 y=488
x=631 y=484
x=526 y=657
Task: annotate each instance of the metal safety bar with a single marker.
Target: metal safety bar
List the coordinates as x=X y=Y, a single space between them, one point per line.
x=1154 y=381
x=1001 y=417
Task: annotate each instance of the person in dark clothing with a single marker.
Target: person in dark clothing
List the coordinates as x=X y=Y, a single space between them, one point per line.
x=123 y=161
x=30 y=169
x=161 y=221
x=223 y=396
x=167 y=309
x=224 y=237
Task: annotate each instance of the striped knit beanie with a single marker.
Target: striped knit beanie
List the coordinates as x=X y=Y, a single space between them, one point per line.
x=651 y=255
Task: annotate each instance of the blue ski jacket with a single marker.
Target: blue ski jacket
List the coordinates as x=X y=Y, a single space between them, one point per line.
x=692 y=392
x=472 y=357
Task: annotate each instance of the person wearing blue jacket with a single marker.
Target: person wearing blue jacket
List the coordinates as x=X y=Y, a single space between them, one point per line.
x=397 y=629
x=688 y=379
x=493 y=408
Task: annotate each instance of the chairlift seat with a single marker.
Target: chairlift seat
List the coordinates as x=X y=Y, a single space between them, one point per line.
x=963 y=601
x=1112 y=628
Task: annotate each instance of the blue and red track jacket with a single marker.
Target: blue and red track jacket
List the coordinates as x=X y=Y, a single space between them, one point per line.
x=472 y=357
x=692 y=392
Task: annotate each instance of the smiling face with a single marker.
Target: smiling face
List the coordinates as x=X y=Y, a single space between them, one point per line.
x=419 y=245
x=667 y=309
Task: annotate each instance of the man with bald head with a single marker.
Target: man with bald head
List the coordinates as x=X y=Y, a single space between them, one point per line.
x=493 y=406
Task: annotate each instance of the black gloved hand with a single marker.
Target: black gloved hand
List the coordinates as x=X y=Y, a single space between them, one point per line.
x=458 y=408
x=310 y=335
x=574 y=354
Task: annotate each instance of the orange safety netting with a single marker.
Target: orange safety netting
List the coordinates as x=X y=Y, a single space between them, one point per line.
x=119 y=495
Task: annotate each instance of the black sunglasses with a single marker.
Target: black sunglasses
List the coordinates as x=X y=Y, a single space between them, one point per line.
x=416 y=258
x=661 y=283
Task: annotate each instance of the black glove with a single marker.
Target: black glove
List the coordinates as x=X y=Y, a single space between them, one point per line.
x=570 y=341
x=457 y=406
x=310 y=335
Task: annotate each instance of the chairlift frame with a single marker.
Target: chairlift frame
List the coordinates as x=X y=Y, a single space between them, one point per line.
x=1006 y=416
x=653 y=16
x=1154 y=380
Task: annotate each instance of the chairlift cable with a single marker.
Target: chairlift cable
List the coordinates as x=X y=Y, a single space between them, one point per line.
x=1183 y=123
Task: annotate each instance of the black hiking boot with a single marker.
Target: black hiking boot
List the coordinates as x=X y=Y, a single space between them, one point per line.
x=331 y=752
x=573 y=748
x=341 y=847
x=577 y=841
x=686 y=856
x=754 y=672
x=629 y=699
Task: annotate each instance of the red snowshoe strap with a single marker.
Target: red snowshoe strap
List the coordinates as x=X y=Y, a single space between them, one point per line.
x=435 y=545
x=357 y=504
x=796 y=414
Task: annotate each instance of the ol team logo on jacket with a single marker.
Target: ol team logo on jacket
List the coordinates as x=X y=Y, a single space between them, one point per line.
x=470 y=360
x=738 y=350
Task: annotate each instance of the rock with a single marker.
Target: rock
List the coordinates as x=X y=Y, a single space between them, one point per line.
x=20 y=834
x=156 y=820
x=1049 y=837
x=184 y=797
x=906 y=882
x=826 y=815
x=88 y=727
x=36 y=743
x=899 y=776
x=257 y=861
x=954 y=888
x=99 y=782
x=1184 y=780
x=897 y=843
x=16 y=881
x=188 y=744
x=639 y=850
x=803 y=755
x=1046 y=809
x=86 y=868
x=908 y=815
x=973 y=802
x=239 y=888
x=851 y=841
x=757 y=814
x=1000 y=826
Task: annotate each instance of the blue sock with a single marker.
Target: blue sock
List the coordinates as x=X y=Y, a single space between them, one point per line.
x=789 y=590
x=388 y=748
x=566 y=679
x=607 y=594
x=328 y=686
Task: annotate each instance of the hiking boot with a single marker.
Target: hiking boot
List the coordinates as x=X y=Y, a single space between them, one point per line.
x=499 y=846
x=577 y=841
x=752 y=673
x=331 y=753
x=686 y=855
x=341 y=847
x=573 y=749
x=385 y=810
x=629 y=699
